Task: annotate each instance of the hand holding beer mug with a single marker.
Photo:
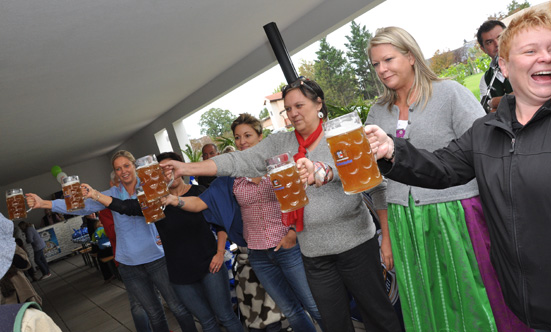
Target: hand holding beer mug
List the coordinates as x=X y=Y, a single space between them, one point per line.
x=286 y=182
x=151 y=178
x=72 y=193
x=351 y=151
x=16 y=204
x=152 y=211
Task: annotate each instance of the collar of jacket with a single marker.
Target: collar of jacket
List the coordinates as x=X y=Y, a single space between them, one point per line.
x=503 y=117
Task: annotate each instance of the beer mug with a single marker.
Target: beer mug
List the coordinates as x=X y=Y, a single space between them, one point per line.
x=72 y=193
x=151 y=177
x=351 y=151
x=152 y=211
x=285 y=180
x=16 y=204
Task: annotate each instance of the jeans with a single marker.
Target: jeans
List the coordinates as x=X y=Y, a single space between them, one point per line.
x=40 y=261
x=282 y=275
x=209 y=299
x=141 y=281
x=139 y=316
x=359 y=272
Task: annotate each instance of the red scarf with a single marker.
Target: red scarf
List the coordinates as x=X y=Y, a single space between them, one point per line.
x=297 y=217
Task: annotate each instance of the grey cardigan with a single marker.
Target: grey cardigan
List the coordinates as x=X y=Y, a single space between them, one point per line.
x=333 y=221
x=451 y=110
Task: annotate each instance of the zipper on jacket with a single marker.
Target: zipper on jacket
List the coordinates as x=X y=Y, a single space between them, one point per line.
x=512 y=145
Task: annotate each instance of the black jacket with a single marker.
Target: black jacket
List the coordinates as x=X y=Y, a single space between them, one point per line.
x=513 y=172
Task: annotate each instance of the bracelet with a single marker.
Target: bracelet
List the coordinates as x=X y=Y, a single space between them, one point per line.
x=292 y=229
x=321 y=173
x=97 y=196
x=221 y=250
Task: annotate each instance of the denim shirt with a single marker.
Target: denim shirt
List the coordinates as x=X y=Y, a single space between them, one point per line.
x=136 y=240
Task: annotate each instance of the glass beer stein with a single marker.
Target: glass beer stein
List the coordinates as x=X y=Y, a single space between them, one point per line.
x=151 y=177
x=152 y=211
x=16 y=204
x=72 y=193
x=351 y=152
x=289 y=190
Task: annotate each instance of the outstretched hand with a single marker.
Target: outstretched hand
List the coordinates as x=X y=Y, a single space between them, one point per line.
x=87 y=190
x=381 y=145
x=173 y=167
x=35 y=202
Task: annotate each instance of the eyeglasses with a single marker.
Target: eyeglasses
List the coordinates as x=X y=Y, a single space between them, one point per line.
x=297 y=84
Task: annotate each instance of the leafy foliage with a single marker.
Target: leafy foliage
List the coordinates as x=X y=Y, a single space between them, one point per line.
x=306 y=69
x=216 y=121
x=362 y=107
x=223 y=141
x=334 y=74
x=264 y=114
x=514 y=6
x=193 y=155
x=441 y=60
x=279 y=87
x=368 y=84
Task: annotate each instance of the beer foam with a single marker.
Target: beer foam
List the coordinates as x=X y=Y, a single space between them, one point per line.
x=70 y=183
x=283 y=167
x=13 y=195
x=148 y=165
x=342 y=130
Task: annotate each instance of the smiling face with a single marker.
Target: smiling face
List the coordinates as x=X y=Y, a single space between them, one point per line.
x=125 y=170
x=302 y=112
x=245 y=137
x=529 y=66
x=394 y=69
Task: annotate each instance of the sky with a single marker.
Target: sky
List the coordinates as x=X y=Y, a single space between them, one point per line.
x=435 y=24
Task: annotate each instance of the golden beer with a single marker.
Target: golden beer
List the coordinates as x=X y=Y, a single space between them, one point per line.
x=16 y=204
x=351 y=152
x=288 y=188
x=72 y=193
x=152 y=211
x=152 y=178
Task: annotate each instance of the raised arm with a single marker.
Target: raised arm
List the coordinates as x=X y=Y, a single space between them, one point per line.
x=188 y=203
x=205 y=168
x=130 y=207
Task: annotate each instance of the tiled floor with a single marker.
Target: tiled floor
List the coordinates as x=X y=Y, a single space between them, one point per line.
x=77 y=299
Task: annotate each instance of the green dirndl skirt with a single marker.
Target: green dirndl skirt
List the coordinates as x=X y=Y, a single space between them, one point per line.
x=439 y=282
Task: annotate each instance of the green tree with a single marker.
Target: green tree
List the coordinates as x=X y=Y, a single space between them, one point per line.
x=279 y=87
x=514 y=7
x=335 y=75
x=215 y=122
x=223 y=141
x=306 y=69
x=369 y=84
x=441 y=61
x=264 y=114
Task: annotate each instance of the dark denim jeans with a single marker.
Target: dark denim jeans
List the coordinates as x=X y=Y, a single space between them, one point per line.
x=282 y=275
x=141 y=281
x=359 y=272
x=41 y=262
x=209 y=299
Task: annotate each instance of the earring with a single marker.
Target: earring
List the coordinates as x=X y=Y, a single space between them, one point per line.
x=320 y=114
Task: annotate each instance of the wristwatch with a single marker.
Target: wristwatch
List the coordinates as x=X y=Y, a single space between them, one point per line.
x=181 y=203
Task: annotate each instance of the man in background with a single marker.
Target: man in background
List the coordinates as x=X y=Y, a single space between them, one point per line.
x=209 y=150
x=488 y=38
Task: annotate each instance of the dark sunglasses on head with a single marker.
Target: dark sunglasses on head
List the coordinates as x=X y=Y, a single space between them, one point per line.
x=297 y=84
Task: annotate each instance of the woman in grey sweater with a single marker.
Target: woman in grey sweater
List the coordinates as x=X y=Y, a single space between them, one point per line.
x=435 y=233
x=338 y=243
